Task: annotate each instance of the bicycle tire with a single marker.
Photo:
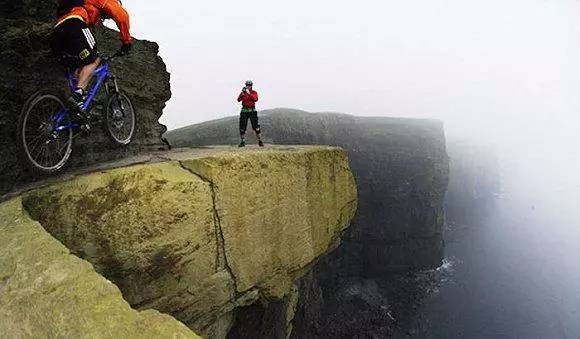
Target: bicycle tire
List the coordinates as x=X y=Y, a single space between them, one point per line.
x=23 y=134
x=111 y=119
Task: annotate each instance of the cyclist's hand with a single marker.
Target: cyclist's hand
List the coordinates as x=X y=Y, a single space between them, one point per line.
x=125 y=49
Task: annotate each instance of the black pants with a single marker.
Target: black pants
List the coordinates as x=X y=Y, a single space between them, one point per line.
x=253 y=116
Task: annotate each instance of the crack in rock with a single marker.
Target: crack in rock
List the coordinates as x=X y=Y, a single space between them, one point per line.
x=221 y=257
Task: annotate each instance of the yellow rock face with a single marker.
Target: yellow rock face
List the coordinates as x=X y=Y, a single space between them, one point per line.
x=198 y=234
x=279 y=211
x=45 y=292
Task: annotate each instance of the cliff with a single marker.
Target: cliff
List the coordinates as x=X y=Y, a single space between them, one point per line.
x=201 y=235
x=402 y=171
x=45 y=291
x=27 y=66
x=401 y=167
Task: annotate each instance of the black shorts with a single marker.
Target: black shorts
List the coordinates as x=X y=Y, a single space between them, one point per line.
x=253 y=116
x=73 y=44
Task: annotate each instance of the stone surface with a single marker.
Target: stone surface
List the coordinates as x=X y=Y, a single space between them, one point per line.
x=27 y=66
x=201 y=234
x=401 y=168
x=47 y=292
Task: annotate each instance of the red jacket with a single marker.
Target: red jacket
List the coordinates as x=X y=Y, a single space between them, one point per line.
x=91 y=15
x=248 y=99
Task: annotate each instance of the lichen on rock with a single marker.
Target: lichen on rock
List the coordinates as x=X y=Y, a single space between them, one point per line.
x=402 y=171
x=200 y=236
x=47 y=292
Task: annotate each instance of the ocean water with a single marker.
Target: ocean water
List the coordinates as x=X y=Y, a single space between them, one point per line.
x=513 y=262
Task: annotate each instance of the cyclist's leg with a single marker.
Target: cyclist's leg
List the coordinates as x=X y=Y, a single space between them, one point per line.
x=86 y=72
x=77 y=44
x=88 y=56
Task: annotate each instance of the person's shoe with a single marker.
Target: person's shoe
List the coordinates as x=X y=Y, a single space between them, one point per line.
x=77 y=100
x=260 y=143
x=242 y=144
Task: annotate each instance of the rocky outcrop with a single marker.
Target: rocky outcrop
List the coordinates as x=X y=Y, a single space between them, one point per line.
x=47 y=292
x=401 y=168
x=201 y=235
x=27 y=66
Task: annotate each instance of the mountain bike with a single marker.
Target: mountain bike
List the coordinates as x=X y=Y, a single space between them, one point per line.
x=47 y=126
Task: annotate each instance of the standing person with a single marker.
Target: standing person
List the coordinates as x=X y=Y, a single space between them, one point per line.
x=248 y=98
x=73 y=41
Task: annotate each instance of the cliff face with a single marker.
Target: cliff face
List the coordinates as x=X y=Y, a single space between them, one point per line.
x=200 y=235
x=46 y=292
x=401 y=168
x=27 y=66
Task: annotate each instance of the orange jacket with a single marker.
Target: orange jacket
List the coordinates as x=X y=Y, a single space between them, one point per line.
x=91 y=15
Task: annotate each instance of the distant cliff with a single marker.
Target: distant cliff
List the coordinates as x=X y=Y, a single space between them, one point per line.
x=402 y=172
x=27 y=66
x=201 y=235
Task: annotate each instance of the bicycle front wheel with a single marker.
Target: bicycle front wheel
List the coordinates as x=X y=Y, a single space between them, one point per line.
x=43 y=146
x=120 y=119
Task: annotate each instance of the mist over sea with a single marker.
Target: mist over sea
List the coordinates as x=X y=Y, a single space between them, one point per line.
x=512 y=267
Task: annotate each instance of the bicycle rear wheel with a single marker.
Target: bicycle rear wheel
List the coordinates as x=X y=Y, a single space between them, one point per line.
x=42 y=147
x=120 y=119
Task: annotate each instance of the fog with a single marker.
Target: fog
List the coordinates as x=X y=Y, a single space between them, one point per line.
x=505 y=73
x=488 y=68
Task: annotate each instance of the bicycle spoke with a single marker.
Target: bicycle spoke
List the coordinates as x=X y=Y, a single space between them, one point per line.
x=48 y=156
x=35 y=146
x=44 y=153
x=51 y=156
x=62 y=148
x=32 y=133
x=34 y=119
x=40 y=158
x=36 y=138
x=45 y=112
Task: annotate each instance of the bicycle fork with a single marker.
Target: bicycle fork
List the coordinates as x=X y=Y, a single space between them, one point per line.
x=115 y=85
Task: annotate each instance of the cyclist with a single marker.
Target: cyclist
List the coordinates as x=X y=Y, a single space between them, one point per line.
x=248 y=97
x=73 y=41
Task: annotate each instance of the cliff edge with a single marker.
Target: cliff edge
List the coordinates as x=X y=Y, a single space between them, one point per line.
x=195 y=234
x=402 y=171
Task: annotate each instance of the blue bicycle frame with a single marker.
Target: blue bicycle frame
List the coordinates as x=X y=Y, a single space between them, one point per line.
x=101 y=73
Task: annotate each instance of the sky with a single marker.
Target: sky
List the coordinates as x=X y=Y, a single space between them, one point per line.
x=490 y=68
